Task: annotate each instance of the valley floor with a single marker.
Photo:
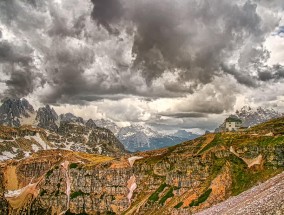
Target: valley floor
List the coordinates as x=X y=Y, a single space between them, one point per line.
x=264 y=199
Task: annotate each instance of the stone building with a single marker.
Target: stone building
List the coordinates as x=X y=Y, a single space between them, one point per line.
x=233 y=123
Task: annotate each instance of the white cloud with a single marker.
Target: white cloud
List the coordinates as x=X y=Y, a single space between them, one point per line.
x=275 y=44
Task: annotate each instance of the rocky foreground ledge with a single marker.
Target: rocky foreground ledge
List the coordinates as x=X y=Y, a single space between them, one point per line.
x=266 y=198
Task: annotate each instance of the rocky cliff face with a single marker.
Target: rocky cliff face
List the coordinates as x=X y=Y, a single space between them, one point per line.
x=69 y=117
x=104 y=123
x=91 y=139
x=46 y=130
x=47 y=118
x=183 y=179
x=251 y=116
x=91 y=124
x=14 y=111
x=18 y=143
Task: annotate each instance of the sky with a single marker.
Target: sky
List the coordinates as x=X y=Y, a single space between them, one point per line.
x=169 y=64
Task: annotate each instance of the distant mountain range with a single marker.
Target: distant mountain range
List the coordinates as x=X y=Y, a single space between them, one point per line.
x=253 y=116
x=141 y=138
x=19 y=112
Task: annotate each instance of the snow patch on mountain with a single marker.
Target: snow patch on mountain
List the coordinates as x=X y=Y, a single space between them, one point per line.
x=43 y=144
x=7 y=156
x=141 y=138
x=105 y=123
x=253 y=116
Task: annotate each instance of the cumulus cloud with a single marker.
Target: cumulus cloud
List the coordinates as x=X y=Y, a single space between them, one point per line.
x=198 y=55
x=194 y=38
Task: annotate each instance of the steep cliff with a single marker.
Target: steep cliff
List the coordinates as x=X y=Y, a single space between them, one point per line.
x=47 y=118
x=14 y=112
x=183 y=179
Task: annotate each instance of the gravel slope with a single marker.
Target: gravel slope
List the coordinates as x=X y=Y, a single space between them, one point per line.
x=264 y=199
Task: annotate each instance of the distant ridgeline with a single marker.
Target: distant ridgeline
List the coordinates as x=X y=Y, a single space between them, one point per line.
x=67 y=131
x=247 y=117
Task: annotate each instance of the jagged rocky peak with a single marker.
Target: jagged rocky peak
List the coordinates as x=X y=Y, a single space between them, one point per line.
x=47 y=118
x=13 y=111
x=252 y=116
x=104 y=123
x=182 y=134
x=91 y=124
x=141 y=138
x=133 y=129
x=69 y=117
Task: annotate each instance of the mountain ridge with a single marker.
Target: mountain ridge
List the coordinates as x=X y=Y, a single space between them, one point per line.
x=252 y=116
x=183 y=179
x=64 y=131
x=134 y=137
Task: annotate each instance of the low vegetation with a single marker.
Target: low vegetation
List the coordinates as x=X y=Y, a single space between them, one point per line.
x=73 y=166
x=155 y=196
x=169 y=194
x=178 y=205
x=201 y=198
x=76 y=194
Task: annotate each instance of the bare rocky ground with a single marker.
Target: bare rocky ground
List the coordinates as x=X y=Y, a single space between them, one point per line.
x=265 y=199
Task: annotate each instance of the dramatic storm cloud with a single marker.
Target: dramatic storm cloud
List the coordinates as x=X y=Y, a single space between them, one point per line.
x=151 y=61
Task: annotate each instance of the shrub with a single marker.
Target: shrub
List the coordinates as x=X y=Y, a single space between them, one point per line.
x=76 y=194
x=201 y=198
x=169 y=194
x=73 y=165
x=178 y=205
x=155 y=196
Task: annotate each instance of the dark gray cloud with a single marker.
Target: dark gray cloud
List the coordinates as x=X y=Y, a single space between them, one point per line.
x=65 y=70
x=185 y=115
x=69 y=83
x=107 y=12
x=14 y=54
x=17 y=65
x=241 y=76
x=187 y=123
x=21 y=83
x=193 y=38
x=274 y=73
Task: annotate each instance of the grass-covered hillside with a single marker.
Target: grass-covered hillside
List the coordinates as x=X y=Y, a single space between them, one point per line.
x=182 y=179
